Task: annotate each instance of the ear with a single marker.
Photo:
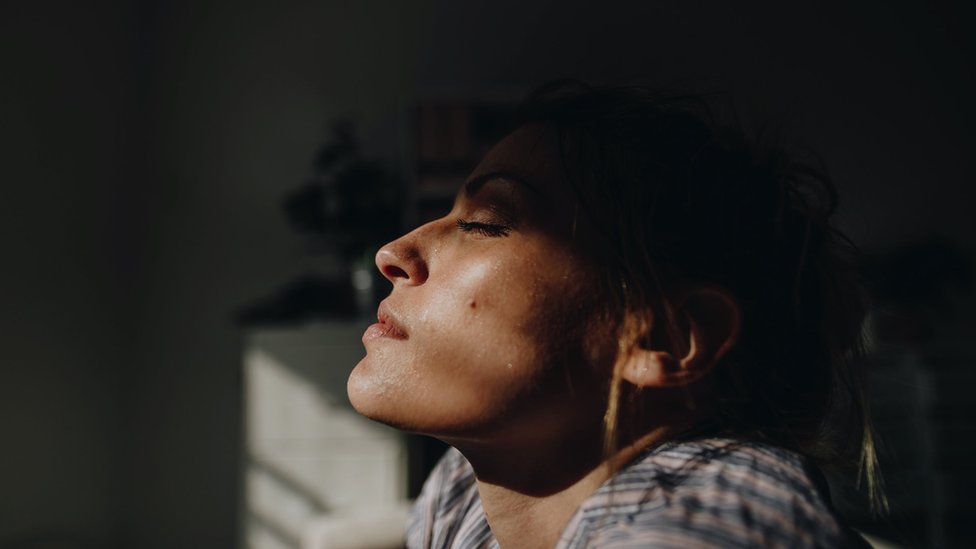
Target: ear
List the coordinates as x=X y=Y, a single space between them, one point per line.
x=709 y=320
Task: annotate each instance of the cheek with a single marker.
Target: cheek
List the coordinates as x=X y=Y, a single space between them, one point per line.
x=491 y=294
x=505 y=323
x=479 y=316
x=458 y=295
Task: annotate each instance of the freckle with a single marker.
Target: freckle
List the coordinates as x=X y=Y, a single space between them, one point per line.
x=472 y=304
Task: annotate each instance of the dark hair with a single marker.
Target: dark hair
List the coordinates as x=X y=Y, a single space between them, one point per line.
x=681 y=199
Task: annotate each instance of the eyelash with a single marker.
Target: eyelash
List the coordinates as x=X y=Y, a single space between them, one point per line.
x=484 y=229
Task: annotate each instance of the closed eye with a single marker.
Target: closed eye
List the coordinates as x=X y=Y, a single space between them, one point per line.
x=484 y=229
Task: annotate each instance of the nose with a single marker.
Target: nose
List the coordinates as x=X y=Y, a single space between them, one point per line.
x=402 y=261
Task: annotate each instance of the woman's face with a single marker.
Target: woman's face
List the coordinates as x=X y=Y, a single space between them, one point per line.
x=490 y=332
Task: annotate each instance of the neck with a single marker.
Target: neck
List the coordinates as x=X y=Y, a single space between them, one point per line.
x=529 y=494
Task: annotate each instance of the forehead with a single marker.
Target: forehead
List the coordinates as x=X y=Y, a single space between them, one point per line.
x=531 y=154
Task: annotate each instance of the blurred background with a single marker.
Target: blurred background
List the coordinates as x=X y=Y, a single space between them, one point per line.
x=190 y=190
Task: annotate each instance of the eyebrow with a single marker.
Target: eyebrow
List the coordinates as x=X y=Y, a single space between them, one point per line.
x=472 y=186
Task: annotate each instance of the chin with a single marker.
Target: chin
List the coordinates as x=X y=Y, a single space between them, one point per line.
x=407 y=416
x=372 y=399
x=441 y=412
x=365 y=394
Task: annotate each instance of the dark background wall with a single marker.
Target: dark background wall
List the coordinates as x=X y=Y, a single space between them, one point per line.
x=146 y=146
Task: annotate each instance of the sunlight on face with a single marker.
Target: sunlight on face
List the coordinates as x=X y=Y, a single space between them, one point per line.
x=492 y=310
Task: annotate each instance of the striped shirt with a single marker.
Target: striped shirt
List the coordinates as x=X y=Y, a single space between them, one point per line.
x=710 y=492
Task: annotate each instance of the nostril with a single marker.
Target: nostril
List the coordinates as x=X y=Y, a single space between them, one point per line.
x=393 y=272
x=401 y=261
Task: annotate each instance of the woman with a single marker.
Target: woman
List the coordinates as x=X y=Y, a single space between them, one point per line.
x=632 y=332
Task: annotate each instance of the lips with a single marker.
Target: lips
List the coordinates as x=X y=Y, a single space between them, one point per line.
x=385 y=327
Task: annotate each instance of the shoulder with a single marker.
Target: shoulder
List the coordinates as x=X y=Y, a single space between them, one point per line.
x=716 y=491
